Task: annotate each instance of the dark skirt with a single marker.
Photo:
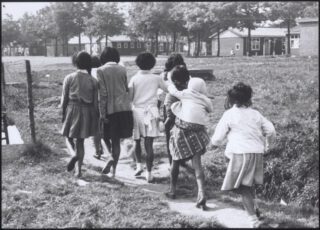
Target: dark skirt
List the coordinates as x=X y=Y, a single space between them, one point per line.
x=81 y=121
x=187 y=139
x=120 y=125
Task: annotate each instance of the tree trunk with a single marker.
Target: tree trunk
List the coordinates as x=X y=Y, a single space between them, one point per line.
x=189 y=45
x=67 y=46
x=79 y=41
x=199 y=45
x=56 y=48
x=90 y=38
x=174 y=41
x=249 y=41
x=288 y=40
x=156 y=51
x=45 y=48
x=218 y=51
x=106 y=40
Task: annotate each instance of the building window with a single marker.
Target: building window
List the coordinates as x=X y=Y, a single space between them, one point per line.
x=118 y=45
x=132 y=45
x=255 y=44
x=294 y=41
x=237 y=46
x=138 y=45
x=125 y=45
x=161 y=46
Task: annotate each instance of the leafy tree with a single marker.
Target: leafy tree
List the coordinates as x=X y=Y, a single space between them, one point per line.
x=106 y=20
x=197 y=21
x=47 y=29
x=174 y=22
x=287 y=12
x=28 y=28
x=10 y=30
x=149 y=19
x=312 y=10
x=223 y=16
x=248 y=15
x=81 y=12
x=64 y=20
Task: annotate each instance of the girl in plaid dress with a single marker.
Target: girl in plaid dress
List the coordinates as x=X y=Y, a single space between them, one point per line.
x=189 y=137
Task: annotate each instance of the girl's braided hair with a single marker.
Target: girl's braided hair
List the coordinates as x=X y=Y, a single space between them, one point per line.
x=239 y=95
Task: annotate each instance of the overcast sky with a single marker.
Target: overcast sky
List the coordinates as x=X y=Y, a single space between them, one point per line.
x=17 y=9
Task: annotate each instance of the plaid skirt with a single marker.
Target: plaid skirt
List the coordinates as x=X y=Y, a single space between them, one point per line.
x=187 y=139
x=243 y=169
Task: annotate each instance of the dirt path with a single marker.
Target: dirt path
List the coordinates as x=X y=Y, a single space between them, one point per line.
x=228 y=216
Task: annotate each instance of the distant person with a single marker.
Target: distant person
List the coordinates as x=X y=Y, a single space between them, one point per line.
x=248 y=134
x=114 y=105
x=189 y=136
x=143 y=88
x=79 y=104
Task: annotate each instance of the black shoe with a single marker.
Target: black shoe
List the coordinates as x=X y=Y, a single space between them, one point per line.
x=97 y=156
x=259 y=215
x=72 y=163
x=170 y=195
x=201 y=203
x=106 y=168
x=138 y=172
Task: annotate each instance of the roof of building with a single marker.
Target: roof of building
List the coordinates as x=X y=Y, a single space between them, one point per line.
x=306 y=20
x=258 y=32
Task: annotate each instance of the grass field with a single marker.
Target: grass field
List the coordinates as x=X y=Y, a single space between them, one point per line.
x=285 y=91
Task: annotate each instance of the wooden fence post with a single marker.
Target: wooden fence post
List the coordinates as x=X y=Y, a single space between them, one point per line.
x=30 y=102
x=4 y=122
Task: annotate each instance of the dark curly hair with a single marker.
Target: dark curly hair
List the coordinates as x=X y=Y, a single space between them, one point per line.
x=109 y=54
x=95 y=61
x=180 y=76
x=239 y=95
x=145 y=61
x=173 y=60
x=83 y=61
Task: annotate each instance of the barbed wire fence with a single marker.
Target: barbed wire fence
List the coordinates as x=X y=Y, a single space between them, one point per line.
x=16 y=86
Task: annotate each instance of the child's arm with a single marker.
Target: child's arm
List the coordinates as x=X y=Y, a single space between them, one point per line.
x=175 y=92
x=64 y=97
x=103 y=95
x=95 y=95
x=221 y=131
x=163 y=84
x=131 y=89
x=268 y=130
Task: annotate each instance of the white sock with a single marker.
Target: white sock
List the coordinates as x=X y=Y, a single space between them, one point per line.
x=139 y=166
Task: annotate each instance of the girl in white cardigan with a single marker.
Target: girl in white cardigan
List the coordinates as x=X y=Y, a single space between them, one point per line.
x=249 y=134
x=189 y=136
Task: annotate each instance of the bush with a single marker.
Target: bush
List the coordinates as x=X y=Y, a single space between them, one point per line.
x=36 y=151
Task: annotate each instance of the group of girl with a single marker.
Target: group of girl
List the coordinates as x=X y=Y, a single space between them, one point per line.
x=107 y=107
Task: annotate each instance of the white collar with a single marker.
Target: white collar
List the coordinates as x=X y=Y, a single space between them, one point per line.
x=82 y=70
x=111 y=63
x=144 y=71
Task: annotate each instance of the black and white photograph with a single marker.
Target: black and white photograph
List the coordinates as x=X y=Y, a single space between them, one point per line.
x=159 y=114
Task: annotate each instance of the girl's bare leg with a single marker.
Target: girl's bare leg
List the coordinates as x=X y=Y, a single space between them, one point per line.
x=148 y=144
x=196 y=164
x=80 y=154
x=247 y=199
